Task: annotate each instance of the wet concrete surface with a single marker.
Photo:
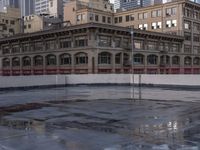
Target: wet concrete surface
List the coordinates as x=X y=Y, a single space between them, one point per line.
x=100 y=118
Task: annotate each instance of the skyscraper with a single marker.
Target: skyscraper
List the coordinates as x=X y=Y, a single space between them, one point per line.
x=41 y=7
x=27 y=7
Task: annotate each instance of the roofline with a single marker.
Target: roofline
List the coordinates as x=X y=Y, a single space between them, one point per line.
x=86 y=26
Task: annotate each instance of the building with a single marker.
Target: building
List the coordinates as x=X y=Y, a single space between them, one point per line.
x=79 y=12
x=41 y=7
x=131 y=4
x=178 y=18
x=10 y=22
x=53 y=8
x=8 y=3
x=94 y=48
x=27 y=7
x=34 y=23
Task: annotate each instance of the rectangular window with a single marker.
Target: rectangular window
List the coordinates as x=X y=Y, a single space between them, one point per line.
x=96 y=18
x=109 y=20
x=104 y=41
x=65 y=43
x=120 y=19
x=140 y=16
x=145 y=15
x=50 y=45
x=103 y=19
x=81 y=41
x=153 y=25
x=138 y=44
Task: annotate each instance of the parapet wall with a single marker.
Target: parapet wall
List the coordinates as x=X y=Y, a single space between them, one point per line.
x=61 y=80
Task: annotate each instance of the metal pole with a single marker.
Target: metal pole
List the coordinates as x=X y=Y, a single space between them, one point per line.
x=132 y=72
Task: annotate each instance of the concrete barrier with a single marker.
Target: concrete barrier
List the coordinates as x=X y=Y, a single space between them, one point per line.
x=61 y=80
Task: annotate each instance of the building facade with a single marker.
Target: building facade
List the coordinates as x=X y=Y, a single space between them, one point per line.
x=27 y=7
x=177 y=18
x=35 y=23
x=80 y=12
x=10 y=22
x=95 y=48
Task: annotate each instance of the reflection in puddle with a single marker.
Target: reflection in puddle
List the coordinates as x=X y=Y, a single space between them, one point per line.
x=114 y=124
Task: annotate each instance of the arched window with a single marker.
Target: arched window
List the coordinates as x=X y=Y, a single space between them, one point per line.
x=26 y=61
x=152 y=59
x=104 y=58
x=188 y=61
x=65 y=59
x=50 y=60
x=138 y=59
x=175 y=60
x=6 y=62
x=196 y=61
x=118 y=58
x=81 y=58
x=15 y=62
x=164 y=60
x=38 y=60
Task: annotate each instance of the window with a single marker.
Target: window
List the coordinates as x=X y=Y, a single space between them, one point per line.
x=152 y=45
x=138 y=59
x=105 y=41
x=26 y=61
x=116 y=19
x=16 y=62
x=65 y=43
x=118 y=58
x=103 y=19
x=153 y=25
x=159 y=25
x=154 y=14
x=175 y=48
x=117 y=42
x=91 y=16
x=187 y=36
x=25 y=47
x=96 y=18
x=140 y=16
x=50 y=45
x=81 y=58
x=145 y=27
x=138 y=44
x=109 y=20
x=51 y=60
x=174 y=23
x=173 y=11
x=187 y=25
x=15 y=49
x=127 y=18
x=65 y=59
x=38 y=46
x=6 y=62
x=175 y=60
x=140 y=26
x=158 y=13
x=187 y=49
x=120 y=19
x=81 y=41
x=145 y=15
x=104 y=58
x=168 y=24
x=12 y=22
x=152 y=59
x=196 y=49
x=38 y=60
x=6 y=49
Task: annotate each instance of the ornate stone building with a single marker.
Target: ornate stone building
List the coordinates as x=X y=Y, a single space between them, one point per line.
x=94 y=48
